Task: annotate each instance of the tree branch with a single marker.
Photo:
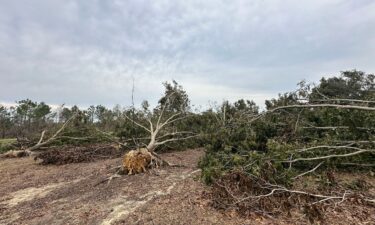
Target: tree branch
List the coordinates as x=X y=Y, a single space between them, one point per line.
x=138 y=124
x=322 y=106
x=170 y=119
x=338 y=127
x=174 y=139
x=40 y=143
x=174 y=133
x=164 y=107
x=331 y=156
x=327 y=146
x=41 y=137
x=342 y=100
x=307 y=172
x=311 y=106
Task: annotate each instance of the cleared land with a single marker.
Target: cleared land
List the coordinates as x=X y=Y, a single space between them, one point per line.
x=70 y=194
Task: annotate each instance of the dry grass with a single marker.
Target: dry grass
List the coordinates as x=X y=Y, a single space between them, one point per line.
x=7 y=141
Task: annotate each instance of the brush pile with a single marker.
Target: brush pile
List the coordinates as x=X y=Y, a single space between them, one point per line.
x=77 y=154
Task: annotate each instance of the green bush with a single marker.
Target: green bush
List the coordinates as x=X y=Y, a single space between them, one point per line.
x=6 y=145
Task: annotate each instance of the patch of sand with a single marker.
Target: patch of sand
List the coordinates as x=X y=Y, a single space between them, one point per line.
x=123 y=206
x=31 y=193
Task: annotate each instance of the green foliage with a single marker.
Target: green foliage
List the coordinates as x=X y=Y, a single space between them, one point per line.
x=6 y=144
x=212 y=167
x=236 y=135
x=349 y=85
x=262 y=147
x=179 y=100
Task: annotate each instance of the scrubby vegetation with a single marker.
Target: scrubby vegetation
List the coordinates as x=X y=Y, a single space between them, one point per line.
x=6 y=144
x=270 y=161
x=257 y=161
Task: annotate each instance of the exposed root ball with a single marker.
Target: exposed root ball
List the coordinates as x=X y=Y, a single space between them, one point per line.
x=136 y=161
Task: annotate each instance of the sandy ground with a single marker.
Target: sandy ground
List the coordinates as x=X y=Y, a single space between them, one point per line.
x=69 y=194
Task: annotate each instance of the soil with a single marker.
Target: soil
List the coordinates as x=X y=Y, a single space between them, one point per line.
x=74 y=194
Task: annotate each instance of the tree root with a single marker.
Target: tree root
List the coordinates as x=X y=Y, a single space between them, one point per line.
x=138 y=161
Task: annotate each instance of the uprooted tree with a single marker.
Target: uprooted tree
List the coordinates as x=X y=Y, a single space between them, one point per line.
x=161 y=125
x=73 y=132
x=30 y=151
x=122 y=129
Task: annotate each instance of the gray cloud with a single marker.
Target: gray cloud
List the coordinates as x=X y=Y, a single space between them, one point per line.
x=86 y=52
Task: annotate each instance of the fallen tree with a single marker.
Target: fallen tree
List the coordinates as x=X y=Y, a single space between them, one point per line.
x=291 y=156
x=161 y=131
x=30 y=151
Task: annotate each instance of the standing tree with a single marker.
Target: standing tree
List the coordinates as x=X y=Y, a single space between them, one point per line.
x=5 y=121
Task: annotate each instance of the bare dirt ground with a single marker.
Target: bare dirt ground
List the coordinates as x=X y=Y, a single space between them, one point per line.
x=69 y=194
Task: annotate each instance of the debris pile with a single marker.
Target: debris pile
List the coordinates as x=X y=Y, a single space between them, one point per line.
x=76 y=154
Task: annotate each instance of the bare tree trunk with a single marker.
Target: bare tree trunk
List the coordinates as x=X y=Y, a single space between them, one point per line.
x=30 y=151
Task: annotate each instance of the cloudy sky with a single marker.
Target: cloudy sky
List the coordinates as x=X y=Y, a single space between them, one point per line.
x=86 y=52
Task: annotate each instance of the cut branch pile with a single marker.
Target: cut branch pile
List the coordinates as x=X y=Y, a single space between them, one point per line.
x=73 y=154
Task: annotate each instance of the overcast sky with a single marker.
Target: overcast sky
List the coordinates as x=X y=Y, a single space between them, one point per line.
x=86 y=52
